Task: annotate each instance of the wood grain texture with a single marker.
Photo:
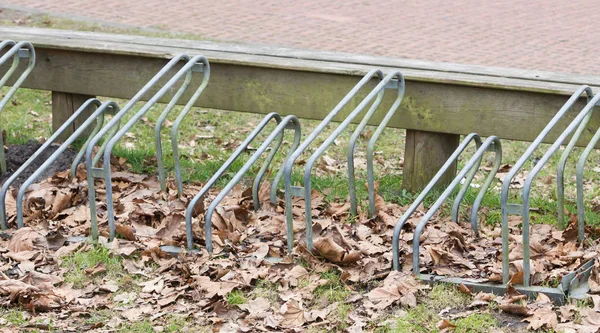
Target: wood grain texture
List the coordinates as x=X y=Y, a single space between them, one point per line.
x=427 y=106
x=425 y=154
x=63 y=107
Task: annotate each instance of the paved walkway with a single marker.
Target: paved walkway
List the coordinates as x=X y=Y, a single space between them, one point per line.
x=553 y=35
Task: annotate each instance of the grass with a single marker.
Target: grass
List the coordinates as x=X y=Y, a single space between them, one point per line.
x=144 y=326
x=424 y=317
x=334 y=290
x=13 y=316
x=76 y=264
x=236 y=297
x=266 y=289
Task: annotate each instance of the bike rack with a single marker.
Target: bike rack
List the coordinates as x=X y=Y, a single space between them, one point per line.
x=393 y=80
x=97 y=116
x=191 y=65
x=579 y=175
x=579 y=123
x=18 y=51
x=256 y=184
x=574 y=284
x=472 y=170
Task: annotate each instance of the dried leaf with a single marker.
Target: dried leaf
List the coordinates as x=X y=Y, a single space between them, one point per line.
x=27 y=239
x=330 y=250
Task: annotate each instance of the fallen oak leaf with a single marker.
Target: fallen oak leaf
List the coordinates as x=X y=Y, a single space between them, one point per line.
x=445 y=324
x=515 y=308
x=543 y=317
x=99 y=268
x=128 y=232
x=330 y=250
x=292 y=312
x=464 y=289
x=27 y=239
x=11 y=287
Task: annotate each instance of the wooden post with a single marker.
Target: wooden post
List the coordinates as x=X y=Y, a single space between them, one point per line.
x=63 y=107
x=425 y=153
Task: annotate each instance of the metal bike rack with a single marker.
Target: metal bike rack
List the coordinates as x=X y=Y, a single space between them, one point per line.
x=579 y=123
x=17 y=51
x=97 y=116
x=191 y=65
x=393 y=80
x=579 y=176
x=574 y=284
x=289 y=122
x=472 y=170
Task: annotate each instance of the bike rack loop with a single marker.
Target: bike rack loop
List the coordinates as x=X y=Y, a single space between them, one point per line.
x=580 y=165
x=523 y=209
x=210 y=183
x=560 y=183
x=17 y=51
x=473 y=137
x=491 y=143
x=289 y=122
x=370 y=149
x=175 y=131
x=98 y=116
x=571 y=283
x=190 y=66
x=378 y=90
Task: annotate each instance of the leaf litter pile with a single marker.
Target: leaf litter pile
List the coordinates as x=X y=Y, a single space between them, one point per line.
x=250 y=284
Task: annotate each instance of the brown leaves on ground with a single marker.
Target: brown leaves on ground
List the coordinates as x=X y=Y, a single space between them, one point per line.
x=279 y=293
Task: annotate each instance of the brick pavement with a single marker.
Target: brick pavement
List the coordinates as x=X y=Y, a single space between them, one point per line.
x=554 y=35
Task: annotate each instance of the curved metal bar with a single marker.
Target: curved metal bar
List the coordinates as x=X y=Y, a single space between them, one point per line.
x=158 y=126
x=14 y=52
x=287 y=169
x=471 y=164
x=485 y=186
x=113 y=141
x=80 y=155
x=115 y=121
x=517 y=167
x=287 y=122
x=580 y=166
x=352 y=144
x=13 y=66
x=413 y=207
x=377 y=91
x=211 y=182
x=560 y=175
x=529 y=181
x=371 y=147
x=97 y=116
x=182 y=114
x=67 y=124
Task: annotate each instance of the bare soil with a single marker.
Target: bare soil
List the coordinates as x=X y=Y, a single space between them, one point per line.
x=17 y=155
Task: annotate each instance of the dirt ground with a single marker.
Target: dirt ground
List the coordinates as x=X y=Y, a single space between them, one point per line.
x=17 y=155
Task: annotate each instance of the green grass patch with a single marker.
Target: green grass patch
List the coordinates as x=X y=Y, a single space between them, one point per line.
x=77 y=263
x=144 y=326
x=444 y=296
x=236 y=297
x=334 y=290
x=13 y=316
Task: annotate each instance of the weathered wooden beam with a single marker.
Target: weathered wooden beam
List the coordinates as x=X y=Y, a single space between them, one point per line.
x=427 y=106
x=63 y=107
x=425 y=153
